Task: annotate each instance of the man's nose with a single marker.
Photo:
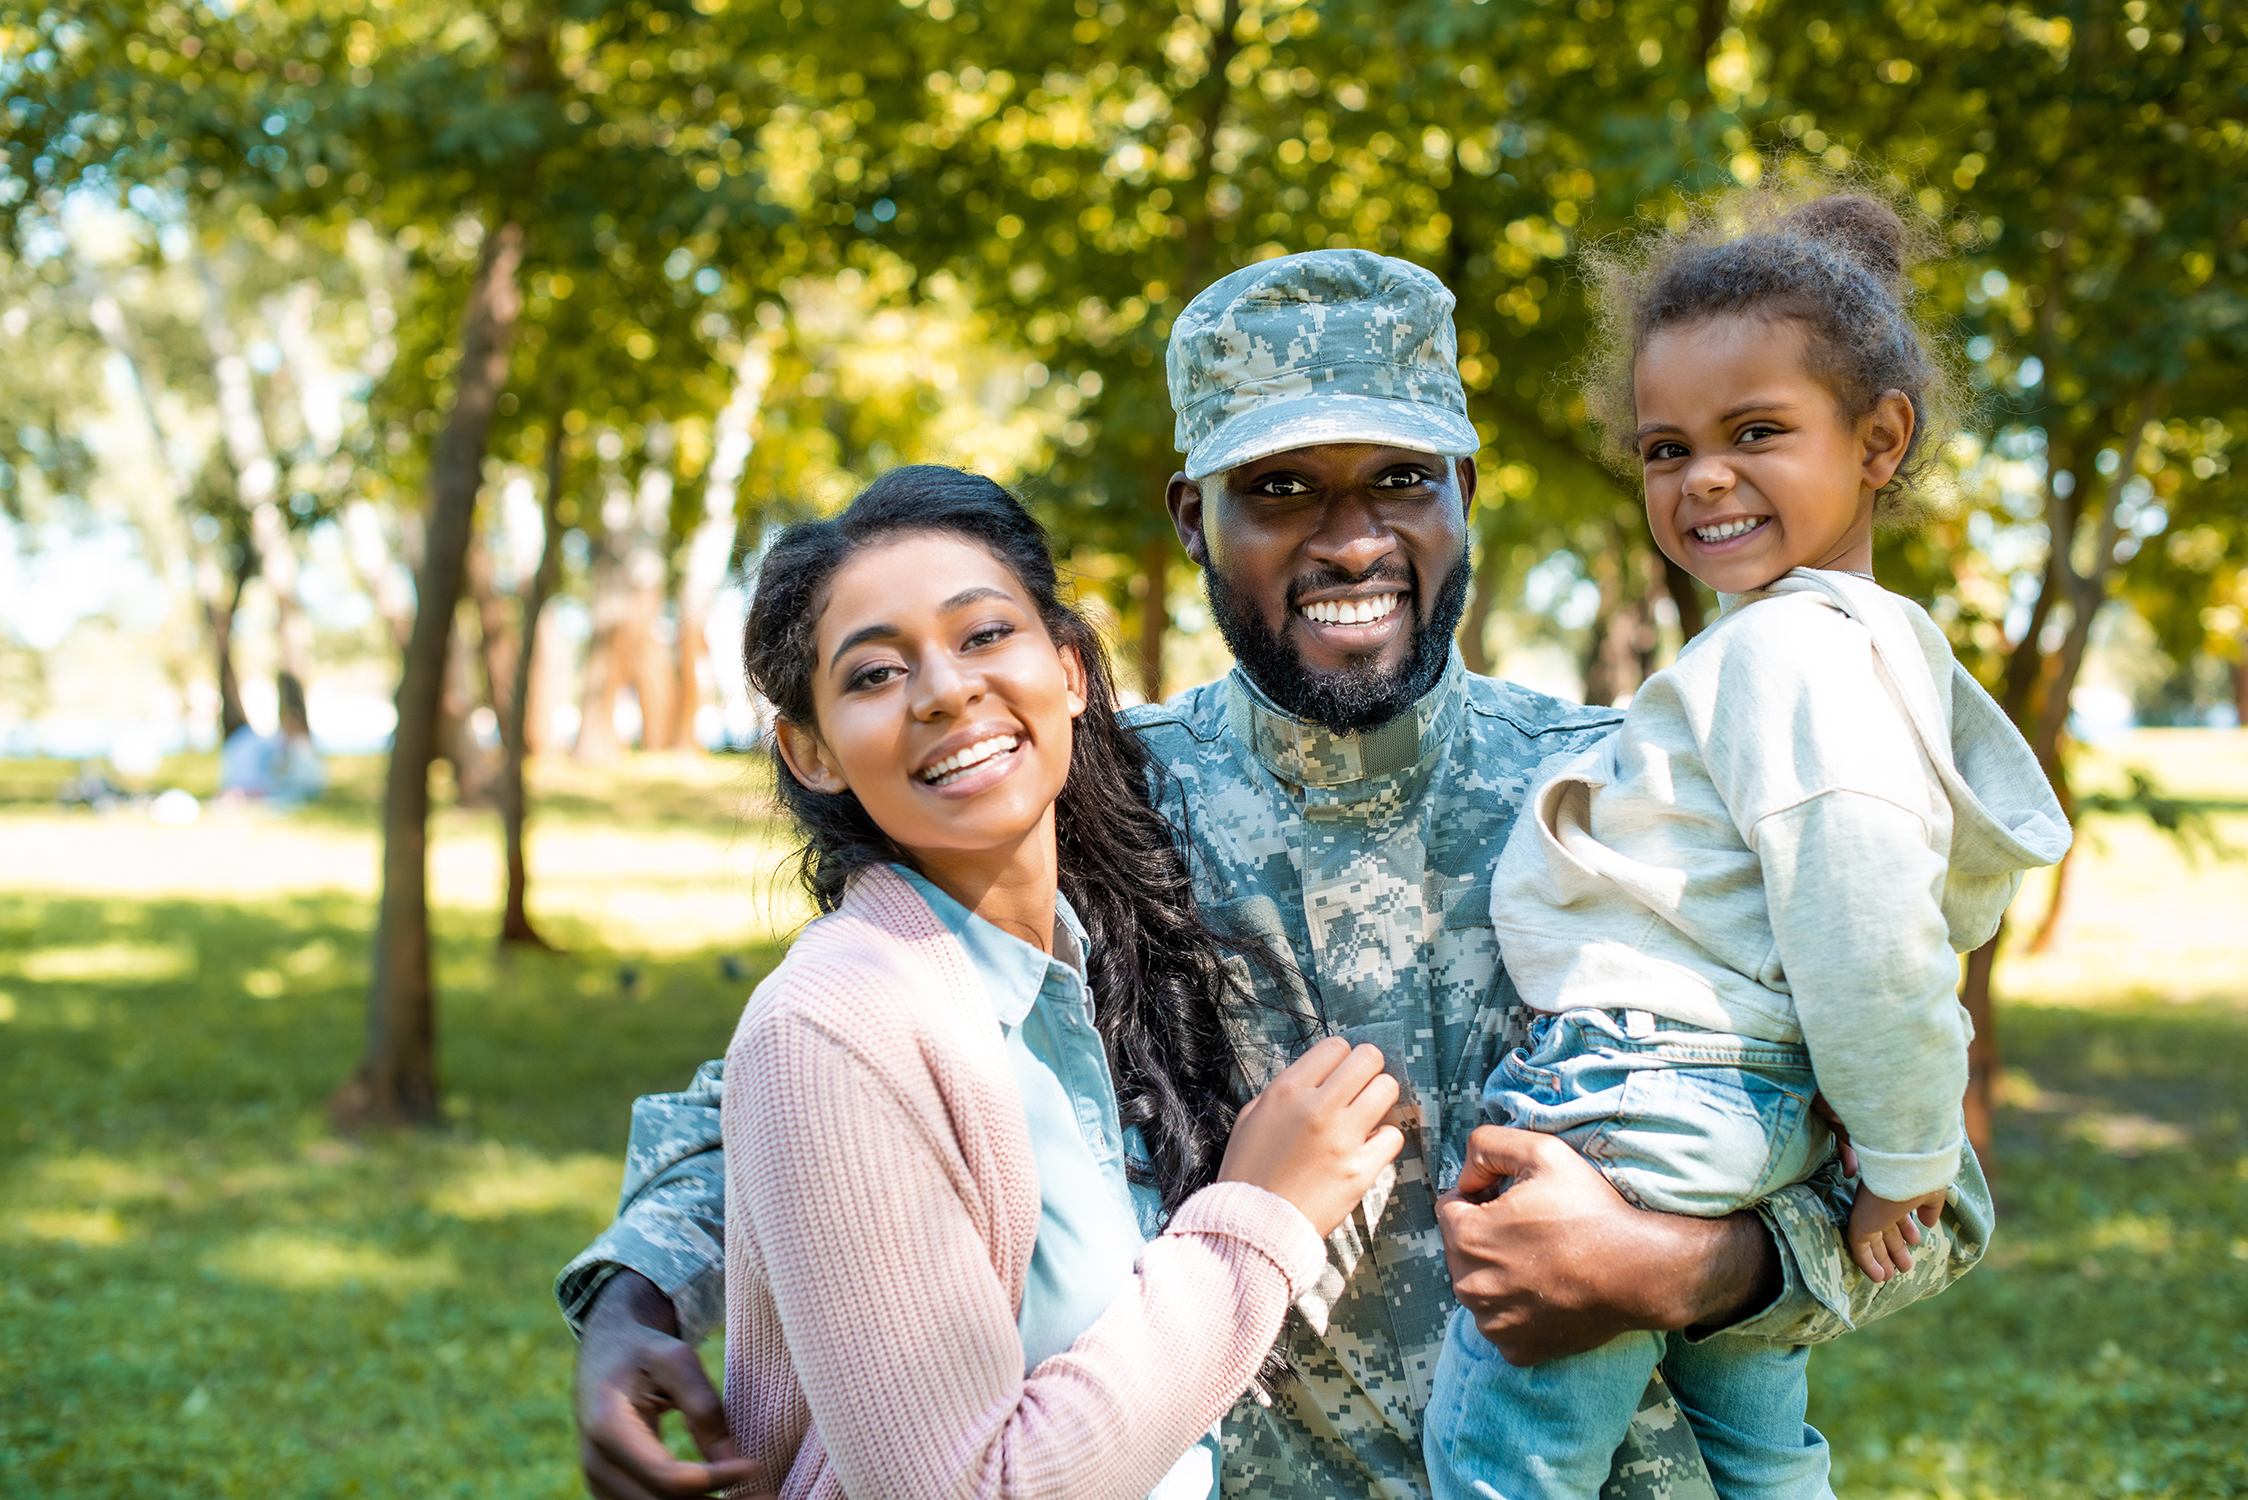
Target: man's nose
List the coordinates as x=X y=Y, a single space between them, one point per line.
x=1351 y=536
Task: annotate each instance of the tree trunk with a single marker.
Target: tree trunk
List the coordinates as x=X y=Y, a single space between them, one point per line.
x=1982 y=1053
x=611 y=645
x=711 y=549
x=1475 y=650
x=654 y=666
x=2240 y=685
x=397 y=1078
x=515 y=921
x=1155 y=613
x=257 y=477
x=211 y=592
x=218 y=614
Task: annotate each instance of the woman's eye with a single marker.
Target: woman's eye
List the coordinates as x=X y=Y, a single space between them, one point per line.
x=872 y=677
x=989 y=634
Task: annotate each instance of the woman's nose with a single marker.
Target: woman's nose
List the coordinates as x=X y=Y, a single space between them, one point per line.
x=945 y=685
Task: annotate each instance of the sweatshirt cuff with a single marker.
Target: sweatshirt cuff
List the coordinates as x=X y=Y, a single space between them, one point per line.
x=1907 y=1174
x=1266 y=1222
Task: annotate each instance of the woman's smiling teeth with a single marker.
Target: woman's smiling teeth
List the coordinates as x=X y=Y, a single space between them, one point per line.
x=1729 y=529
x=1351 y=611
x=953 y=767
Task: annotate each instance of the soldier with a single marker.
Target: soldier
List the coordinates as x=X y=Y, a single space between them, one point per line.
x=1343 y=794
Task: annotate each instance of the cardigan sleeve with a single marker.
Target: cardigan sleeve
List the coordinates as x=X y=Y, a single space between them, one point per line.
x=901 y=1336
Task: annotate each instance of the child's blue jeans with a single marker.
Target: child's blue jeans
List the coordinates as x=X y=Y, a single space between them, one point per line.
x=1682 y=1121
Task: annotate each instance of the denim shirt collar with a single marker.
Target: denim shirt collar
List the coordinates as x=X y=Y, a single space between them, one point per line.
x=1305 y=754
x=1014 y=971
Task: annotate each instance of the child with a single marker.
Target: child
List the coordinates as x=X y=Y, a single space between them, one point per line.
x=1752 y=894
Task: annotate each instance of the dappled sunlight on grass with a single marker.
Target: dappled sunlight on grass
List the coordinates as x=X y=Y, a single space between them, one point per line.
x=204 y=1292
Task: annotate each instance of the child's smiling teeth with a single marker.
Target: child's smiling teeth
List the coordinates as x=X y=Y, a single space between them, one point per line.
x=1351 y=611
x=953 y=767
x=1729 y=529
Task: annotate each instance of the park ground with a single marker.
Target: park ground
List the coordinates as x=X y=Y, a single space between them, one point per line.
x=205 y=1292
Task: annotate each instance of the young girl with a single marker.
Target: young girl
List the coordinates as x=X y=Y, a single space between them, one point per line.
x=1753 y=893
x=936 y=1273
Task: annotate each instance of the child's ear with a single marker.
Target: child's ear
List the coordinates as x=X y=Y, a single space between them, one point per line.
x=1887 y=435
x=1073 y=678
x=807 y=758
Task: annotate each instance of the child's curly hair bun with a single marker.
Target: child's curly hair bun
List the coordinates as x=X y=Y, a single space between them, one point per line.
x=1836 y=262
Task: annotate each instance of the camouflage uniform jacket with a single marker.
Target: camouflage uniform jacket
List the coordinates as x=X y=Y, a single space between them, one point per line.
x=1368 y=859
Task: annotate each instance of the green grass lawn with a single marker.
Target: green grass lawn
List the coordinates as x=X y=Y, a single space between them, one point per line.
x=204 y=1292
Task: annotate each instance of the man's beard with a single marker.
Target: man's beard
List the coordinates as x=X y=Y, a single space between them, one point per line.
x=1360 y=696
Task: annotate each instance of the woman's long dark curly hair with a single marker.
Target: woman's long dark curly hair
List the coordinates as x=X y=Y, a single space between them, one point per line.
x=1157 y=971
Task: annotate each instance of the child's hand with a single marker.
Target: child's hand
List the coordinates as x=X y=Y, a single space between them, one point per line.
x=1315 y=1135
x=1883 y=1230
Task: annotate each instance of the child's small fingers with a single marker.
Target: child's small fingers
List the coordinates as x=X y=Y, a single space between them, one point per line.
x=1909 y=1227
x=1929 y=1213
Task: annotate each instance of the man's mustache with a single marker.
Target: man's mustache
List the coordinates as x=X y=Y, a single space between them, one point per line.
x=1389 y=570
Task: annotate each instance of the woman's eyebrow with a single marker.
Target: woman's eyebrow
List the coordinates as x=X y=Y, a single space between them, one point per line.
x=888 y=632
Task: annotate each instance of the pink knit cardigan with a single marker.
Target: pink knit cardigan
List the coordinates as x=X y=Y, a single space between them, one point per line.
x=881 y=1206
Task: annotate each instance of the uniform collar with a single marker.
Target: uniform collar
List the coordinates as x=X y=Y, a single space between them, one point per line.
x=1311 y=755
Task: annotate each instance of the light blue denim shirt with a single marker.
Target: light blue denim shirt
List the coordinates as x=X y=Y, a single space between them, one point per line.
x=1091 y=1218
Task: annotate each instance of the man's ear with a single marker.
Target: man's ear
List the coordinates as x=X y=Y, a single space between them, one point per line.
x=807 y=758
x=1073 y=678
x=1183 y=497
x=1467 y=480
x=1887 y=435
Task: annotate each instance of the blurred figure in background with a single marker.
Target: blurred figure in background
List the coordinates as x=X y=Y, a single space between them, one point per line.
x=281 y=769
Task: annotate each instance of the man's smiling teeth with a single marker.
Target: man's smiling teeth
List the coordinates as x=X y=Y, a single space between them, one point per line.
x=1729 y=529
x=953 y=767
x=1351 y=611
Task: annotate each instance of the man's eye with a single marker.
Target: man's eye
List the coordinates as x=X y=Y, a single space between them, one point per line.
x=1281 y=486
x=1402 y=479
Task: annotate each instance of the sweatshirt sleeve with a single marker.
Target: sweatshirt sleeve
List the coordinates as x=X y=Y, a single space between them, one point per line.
x=1856 y=901
x=901 y=1336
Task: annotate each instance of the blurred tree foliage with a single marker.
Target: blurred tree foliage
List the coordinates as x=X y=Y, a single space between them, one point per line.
x=899 y=210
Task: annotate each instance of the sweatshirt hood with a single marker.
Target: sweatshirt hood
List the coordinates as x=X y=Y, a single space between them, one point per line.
x=2005 y=818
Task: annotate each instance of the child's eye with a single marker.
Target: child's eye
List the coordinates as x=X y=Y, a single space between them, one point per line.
x=1662 y=452
x=1756 y=431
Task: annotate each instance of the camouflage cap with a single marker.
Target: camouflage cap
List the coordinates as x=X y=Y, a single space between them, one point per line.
x=1332 y=346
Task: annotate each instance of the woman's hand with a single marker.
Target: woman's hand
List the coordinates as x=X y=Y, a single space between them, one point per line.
x=1315 y=1135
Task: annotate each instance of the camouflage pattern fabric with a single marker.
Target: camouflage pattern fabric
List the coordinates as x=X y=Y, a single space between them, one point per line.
x=1332 y=346
x=1367 y=858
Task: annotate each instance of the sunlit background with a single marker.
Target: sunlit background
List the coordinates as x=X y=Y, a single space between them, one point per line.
x=744 y=256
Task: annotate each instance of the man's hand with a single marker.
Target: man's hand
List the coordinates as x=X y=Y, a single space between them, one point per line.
x=1560 y=1263
x=632 y=1368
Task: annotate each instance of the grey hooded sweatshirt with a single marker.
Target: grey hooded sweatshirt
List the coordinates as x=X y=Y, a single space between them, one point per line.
x=1794 y=831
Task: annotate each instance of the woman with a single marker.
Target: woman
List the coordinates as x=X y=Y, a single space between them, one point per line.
x=937 y=1281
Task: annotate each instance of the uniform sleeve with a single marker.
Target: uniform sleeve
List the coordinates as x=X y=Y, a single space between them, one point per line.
x=902 y=1338
x=1823 y=1294
x=671 y=1212
x=1856 y=902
